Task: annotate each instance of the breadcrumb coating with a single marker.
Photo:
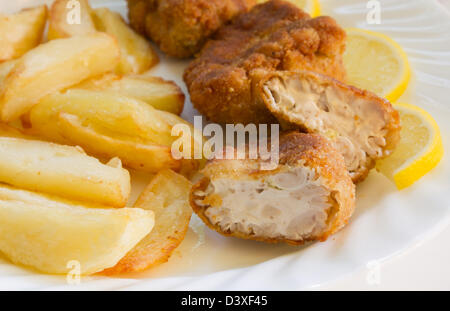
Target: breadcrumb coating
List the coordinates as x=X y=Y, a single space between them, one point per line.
x=181 y=27
x=323 y=179
x=275 y=35
x=361 y=125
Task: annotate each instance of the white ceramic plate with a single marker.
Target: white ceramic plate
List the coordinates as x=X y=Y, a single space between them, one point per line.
x=387 y=222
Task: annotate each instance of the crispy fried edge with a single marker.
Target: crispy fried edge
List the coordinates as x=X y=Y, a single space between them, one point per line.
x=229 y=94
x=196 y=29
x=137 y=259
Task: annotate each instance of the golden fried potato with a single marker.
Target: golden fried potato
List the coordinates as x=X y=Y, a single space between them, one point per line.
x=146 y=157
x=21 y=32
x=70 y=18
x=108 y=125
x=62 y=170
x=111 y=114
x=168 y=197
x=137 y=55
x=56 y=236
x=194 y=159
x=155 y=91
x=9 y=131
x=54 y=66
x=5 y=69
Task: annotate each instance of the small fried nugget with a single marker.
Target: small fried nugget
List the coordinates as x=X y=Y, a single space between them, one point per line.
x=275 y=35
x=361 y=125
x=181 y=27
x=307 y=197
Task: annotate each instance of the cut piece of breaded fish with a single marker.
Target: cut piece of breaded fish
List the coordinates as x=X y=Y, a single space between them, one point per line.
x=275 y=35
x=181 y=27
x=307 y=197
x=361 y=125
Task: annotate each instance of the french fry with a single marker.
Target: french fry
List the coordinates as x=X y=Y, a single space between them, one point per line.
x=56 y=236
x=109 y=124
x=5 y=69
x=54 y=66
x=62 y=170
x=145 y=157
x=155 y=91
x=137 y=55
x=21 y=32
x=194 y=159
x=69 y=18
x=9 y=131
x=167 y=196
x=111 y=114
x=100 y=83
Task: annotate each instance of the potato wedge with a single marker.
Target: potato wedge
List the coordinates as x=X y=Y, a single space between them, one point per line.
x=21 y=32
x=111 y=114
x=137 y=55
x=150 y=158
x=194 y=160
x=167 y=196
x=46 y=233
x=109 y=124
x=9 y=131
x=70 y=18
x=155 y=91
x=5 y=69
x=147 y=157
x=62 y=170
x=54 y=66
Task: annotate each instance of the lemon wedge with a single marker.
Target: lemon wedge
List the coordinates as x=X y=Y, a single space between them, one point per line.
x=376 y=63
x=312 y=7
x=419 y=151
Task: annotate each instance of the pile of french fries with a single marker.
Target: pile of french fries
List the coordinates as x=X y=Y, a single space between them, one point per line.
x=76 y=108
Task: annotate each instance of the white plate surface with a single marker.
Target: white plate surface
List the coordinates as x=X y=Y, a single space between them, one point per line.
x=387 y=222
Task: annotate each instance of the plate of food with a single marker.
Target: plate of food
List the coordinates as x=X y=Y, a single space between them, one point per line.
x=111 y=177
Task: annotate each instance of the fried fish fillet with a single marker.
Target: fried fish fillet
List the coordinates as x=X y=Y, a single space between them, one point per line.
x=181 y=27
x=307 y=197
x=275 y=35
x=362 y=126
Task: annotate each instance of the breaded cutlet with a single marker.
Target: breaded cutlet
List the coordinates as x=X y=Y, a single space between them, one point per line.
x=275 y=35
x=360 y=125
x=181 y=27
x=307 y=197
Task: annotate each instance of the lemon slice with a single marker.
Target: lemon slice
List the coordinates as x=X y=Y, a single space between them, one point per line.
x=312 y=7
x=376 y=63
x=419 y=151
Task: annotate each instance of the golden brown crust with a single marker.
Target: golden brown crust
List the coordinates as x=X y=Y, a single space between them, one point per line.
x=391 y=116
x=275 y=35
x=181 y=27
x=318 y=153
x=315 y=152
x=167 y=196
